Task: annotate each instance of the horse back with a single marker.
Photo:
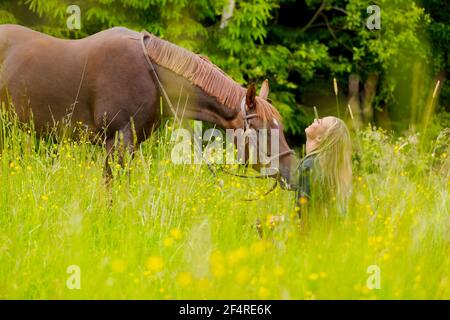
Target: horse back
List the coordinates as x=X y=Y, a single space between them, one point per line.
x=49 y=78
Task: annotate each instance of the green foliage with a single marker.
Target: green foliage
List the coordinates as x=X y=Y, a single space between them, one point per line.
x=280 y=40
x=248 y=26
x=7 y=17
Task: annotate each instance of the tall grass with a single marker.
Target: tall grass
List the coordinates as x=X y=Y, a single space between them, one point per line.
x=173 y=231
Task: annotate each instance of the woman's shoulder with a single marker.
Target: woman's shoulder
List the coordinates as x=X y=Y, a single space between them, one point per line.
x=307 y=162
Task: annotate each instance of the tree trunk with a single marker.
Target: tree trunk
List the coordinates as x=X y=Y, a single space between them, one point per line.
x=370 y=88
x=382 y=118
x=227 y=13
x=353 y=100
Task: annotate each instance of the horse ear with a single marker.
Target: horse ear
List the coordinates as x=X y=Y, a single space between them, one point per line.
x=264 y=92
x=250 y=98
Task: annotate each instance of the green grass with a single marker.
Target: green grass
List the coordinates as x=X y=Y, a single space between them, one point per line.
x=173 y=232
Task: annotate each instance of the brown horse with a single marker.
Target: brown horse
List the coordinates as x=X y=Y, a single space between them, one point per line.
x=103 y=81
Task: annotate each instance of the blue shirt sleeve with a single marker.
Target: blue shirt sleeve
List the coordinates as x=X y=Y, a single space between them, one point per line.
x=304 y=183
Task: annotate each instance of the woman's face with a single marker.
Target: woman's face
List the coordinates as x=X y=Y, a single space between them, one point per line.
x=318 y=128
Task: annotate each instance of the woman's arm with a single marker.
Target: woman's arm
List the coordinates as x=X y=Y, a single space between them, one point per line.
x=304 y=183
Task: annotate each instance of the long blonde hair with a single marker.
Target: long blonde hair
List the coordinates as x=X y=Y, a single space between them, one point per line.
x=333 y=164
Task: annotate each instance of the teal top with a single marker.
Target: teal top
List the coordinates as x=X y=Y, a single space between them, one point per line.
x=304 y=182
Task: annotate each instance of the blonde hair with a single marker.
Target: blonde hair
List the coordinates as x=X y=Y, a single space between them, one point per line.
x=333 y=164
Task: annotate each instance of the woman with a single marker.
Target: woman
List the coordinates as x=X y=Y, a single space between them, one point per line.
x=325 y=173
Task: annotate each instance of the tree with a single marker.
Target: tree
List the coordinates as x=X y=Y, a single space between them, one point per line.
x=300 y=46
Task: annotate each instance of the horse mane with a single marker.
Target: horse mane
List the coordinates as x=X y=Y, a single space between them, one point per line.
x=200 y=71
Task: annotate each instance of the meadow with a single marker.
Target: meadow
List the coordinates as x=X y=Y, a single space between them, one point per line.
x=169 y=231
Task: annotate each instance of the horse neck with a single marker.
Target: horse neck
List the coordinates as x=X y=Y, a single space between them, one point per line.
x=191 y=102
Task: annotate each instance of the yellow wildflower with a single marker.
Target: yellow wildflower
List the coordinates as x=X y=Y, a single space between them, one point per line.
x=263 y=293
x=168 y=242
x=217 y=264
x=176 y=233
x=155 y=264
x=118 y=265
x=278 y=271
x=313 y=276
x=184 y=279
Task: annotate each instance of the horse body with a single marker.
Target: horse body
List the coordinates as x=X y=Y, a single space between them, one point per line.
x=99 y=80
x=102 y=81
